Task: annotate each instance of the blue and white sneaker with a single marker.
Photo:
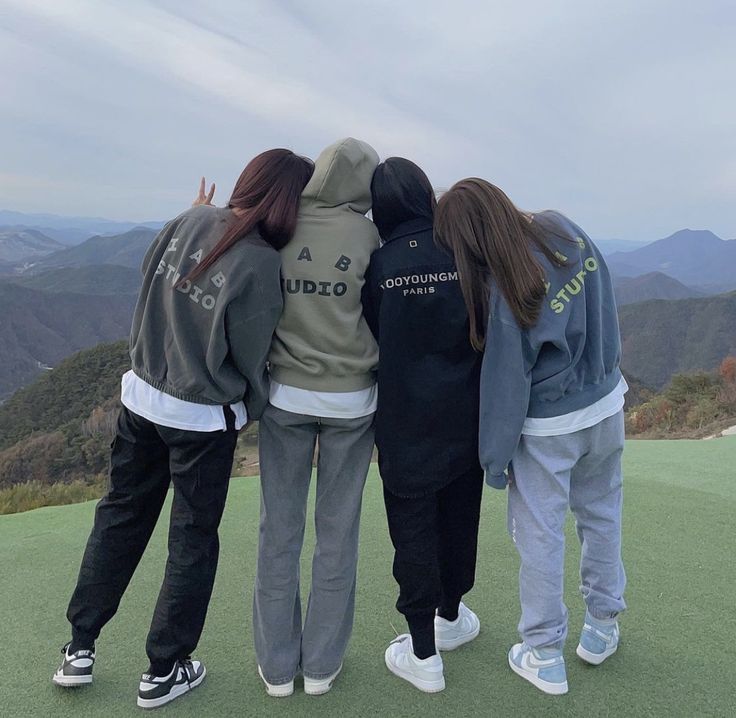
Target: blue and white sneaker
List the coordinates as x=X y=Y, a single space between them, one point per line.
x=598 y=639
x=542 y=667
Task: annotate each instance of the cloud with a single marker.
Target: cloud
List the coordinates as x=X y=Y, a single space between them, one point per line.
x=618 y=114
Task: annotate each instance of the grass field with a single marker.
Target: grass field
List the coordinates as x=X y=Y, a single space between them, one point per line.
x=677 y=654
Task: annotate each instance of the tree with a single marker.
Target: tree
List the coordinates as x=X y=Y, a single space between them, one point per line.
x=728 y=370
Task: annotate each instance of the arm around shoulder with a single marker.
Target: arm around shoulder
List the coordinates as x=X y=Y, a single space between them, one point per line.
x=251 y=320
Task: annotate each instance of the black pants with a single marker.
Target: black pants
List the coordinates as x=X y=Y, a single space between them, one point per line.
x=435 y=538
x=145 y=459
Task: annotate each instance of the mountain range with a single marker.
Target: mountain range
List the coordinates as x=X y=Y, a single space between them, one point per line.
x=69 y=230
x=40 y=328
x=124 y=250
x=58 y=300
x=698 y=258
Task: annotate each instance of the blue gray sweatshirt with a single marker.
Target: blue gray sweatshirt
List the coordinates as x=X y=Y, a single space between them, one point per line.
x=566 y=362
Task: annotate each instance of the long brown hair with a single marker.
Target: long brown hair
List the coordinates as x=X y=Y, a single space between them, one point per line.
x=267 y=194
x=492 y=242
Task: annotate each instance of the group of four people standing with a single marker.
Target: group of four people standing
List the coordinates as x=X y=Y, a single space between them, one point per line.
x=273 y=308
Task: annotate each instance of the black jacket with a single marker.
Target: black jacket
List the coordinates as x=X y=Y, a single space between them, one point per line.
x=428 y=373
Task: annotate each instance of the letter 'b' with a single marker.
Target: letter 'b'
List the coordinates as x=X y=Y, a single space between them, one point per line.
x=343 y=264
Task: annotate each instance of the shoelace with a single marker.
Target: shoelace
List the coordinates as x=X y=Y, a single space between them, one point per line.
x=188 y=667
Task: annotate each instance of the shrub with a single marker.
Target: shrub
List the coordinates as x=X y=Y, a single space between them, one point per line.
x=728 y=370
x=35 y=494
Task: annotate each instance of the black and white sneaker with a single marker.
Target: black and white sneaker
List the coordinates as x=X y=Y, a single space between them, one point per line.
x=75 y=669
x=155 y=691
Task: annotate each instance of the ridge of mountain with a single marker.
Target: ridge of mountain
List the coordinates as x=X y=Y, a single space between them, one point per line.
x=127 y=250
x=654 y=285
x=18 y=245
x=70 y=230
x=39 y=329
x=697 y=258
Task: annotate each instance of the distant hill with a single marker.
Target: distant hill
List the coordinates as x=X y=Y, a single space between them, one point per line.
x=609 y=246
x=654 y=285
x=70 y=230
x=92 y=279
x=661 y=338
x=697 y=258
x=17 y=245
x=39 y=329
x=126 y=250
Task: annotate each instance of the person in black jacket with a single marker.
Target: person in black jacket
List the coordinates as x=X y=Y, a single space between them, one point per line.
x=426 y=423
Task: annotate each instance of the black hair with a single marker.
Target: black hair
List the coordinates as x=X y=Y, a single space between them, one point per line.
x=400 y=191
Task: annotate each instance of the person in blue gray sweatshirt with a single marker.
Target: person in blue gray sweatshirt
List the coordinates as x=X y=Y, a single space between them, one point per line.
x=541 y=302
x=201 y=333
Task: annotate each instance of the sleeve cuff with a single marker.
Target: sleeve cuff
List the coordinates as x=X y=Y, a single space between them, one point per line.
x=496 y=481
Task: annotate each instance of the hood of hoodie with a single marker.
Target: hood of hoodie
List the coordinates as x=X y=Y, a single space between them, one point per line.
x=342 y=176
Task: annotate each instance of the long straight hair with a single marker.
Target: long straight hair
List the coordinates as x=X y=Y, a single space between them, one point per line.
x=400 y=192
x=267 y=194
x=493 y=244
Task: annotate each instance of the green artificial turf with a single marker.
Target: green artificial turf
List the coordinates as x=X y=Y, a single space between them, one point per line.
x=677 y=654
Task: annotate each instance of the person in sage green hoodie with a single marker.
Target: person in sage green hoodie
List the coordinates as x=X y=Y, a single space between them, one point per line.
x=322 y=363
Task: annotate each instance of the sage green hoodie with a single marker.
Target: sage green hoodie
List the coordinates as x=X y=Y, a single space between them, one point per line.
x=322 y=341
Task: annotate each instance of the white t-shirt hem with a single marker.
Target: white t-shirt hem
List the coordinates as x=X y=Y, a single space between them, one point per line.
x=327 y=404
x=581 y=419
x=163 y=409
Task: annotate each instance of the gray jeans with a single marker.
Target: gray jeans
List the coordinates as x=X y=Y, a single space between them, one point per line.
x=581 y=471
x=287 y=441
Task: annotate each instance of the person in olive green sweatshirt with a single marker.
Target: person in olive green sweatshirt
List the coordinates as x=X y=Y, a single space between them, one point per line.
x=322 y=362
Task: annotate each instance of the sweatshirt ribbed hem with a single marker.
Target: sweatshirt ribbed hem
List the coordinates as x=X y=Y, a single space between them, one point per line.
x=582 y=399
x=295 y=378
x=193 y=398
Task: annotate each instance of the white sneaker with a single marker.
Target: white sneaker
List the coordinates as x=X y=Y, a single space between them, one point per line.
x=277 y=690
x=320 y=686
x=425 y=674
x=449 y=635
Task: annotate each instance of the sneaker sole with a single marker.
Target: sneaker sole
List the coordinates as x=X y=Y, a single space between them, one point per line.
x=452 y=644
x=282 y=690
x=595 y=659
x=553 y=689
x=72 y=681
x=177 y=692
x=422 y=685
x=319 y=688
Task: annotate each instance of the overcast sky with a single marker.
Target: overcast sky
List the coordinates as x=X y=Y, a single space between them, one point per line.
x=620 y=114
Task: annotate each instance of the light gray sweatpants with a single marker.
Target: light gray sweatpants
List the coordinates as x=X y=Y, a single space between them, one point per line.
x=286 y=447
x=583 y=471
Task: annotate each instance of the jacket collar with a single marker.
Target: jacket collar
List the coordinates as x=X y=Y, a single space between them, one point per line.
x=412 y=226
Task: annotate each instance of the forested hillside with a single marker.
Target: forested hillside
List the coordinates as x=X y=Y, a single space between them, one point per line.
x=663 y=338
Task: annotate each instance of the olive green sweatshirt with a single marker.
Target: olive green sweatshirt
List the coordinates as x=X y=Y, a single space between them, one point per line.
x=322 y=341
